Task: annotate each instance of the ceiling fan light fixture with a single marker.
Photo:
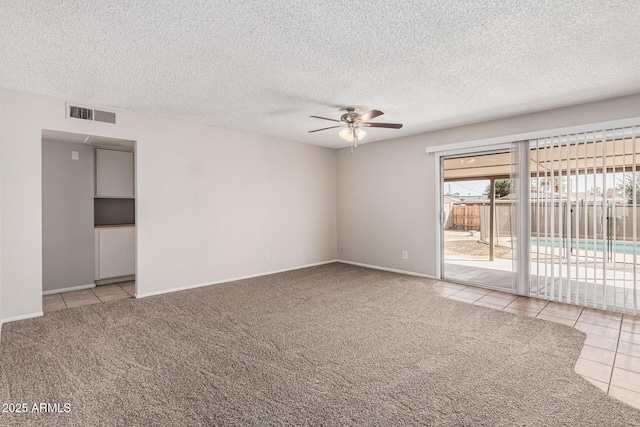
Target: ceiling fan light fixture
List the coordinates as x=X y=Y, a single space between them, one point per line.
x=346 y=134
x=360 y=134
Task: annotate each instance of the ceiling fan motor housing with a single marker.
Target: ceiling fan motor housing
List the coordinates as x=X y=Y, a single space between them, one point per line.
x=350 y=116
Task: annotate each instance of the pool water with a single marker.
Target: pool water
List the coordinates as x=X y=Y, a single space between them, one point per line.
x=617 y=247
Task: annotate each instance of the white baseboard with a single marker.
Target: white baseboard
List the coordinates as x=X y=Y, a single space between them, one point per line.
x=22 y=317
x=392 y=270
x=73 y=288
x=232 y=279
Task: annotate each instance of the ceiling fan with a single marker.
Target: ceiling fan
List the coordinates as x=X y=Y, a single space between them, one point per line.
x=354 y=123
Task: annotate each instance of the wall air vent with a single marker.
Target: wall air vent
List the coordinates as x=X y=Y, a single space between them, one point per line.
x=84 y=113
x=80 y=113
x=104 y=116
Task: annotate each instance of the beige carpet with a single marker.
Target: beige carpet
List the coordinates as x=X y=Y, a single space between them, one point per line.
x=329 y=345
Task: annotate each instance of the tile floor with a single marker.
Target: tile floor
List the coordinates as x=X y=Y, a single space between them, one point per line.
x=97 y=295
x=610 y=358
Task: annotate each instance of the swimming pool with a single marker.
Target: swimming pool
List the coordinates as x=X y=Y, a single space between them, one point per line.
x=617 y=247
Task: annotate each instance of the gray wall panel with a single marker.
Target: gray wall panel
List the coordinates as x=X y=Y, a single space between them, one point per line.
x=67 y=215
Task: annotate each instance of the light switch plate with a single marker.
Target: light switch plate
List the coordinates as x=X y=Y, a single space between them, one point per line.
x=75 y=155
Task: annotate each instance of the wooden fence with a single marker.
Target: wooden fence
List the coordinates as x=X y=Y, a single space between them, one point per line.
x=465 y=217
x=616 y=220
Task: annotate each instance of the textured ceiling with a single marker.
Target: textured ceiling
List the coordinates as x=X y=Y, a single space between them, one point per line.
x=266 y=66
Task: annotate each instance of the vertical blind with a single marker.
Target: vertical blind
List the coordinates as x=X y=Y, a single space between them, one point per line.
x=584 y=219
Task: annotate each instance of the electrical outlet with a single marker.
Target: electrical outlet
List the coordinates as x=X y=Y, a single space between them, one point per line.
x=267 y=255
x=405 y=255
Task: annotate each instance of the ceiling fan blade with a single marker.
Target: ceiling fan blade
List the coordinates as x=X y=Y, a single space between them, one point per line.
x=330 y=127
x=383 y=125
x=370 y=115
x=325 y=118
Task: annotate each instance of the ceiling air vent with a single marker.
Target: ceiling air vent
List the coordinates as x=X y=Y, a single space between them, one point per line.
x=84 y=113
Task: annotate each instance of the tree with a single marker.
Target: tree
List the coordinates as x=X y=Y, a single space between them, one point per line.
x=597 y=191
x=626 y=187
x=503 y=188
x=547 y=185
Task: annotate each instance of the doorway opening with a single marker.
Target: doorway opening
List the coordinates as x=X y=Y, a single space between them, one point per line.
x=88 y=219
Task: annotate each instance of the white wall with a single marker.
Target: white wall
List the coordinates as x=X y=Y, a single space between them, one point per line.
x=21 y=227
x=386 y=190
x=2 y=120
x=208 y=207
x=210 y=201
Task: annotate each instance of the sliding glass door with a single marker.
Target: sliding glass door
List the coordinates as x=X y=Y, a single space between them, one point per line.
x=478 y=221
x=555 y=218
x=584 y=210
